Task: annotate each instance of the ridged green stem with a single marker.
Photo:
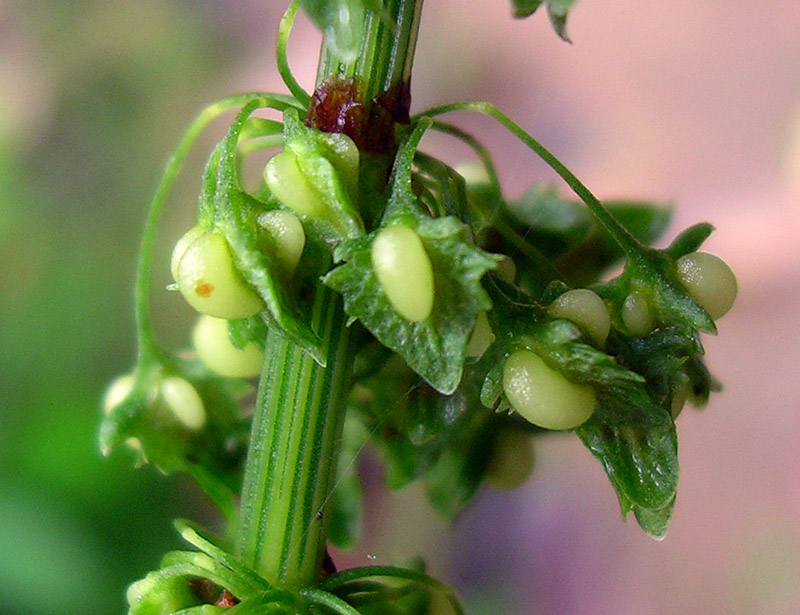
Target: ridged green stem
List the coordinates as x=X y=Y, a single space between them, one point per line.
x=294 y=447
x=299 y=413
x=387 y=50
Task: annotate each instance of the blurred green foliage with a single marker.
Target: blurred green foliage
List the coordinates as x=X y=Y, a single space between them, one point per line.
x=94 y=94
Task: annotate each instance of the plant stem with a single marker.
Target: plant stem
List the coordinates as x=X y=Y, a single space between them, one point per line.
x=294 y=444
x=387 y=50
x=365 y=96
x=299 y=413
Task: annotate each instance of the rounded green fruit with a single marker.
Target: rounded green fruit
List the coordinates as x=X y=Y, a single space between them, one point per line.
x=187 y=239
x=587 y=310
x=214 y=347
x=208 y=279
x=286 y=238
x=637 y=316
x=183 y=401
x=289 y=185
x=710 y=281
x=404 y=271
x=543 y=396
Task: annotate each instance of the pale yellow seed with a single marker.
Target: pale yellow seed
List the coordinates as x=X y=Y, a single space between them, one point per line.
x=587 y=310
x=115 y=394
x=183 y=400
x=187 y=239
x=710 y=281
x=512 y=460
x=289 y=185
x=481 y=338
x=209 y=281
x=287 y=238
x=214 y=347
x=637 y=315
x=542 y=395
x=404 y=271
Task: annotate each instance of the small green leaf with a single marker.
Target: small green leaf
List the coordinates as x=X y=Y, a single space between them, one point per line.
x=567 y=232
x=557 y=224
x=524 y=8
x=246 y=330
x=689 y=240
x=557 y=11
x=655 y=521
x=637 y=445
x=434 y=347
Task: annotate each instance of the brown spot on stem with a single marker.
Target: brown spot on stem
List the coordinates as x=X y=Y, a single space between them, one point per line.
x=204 y=289
x=339 y=106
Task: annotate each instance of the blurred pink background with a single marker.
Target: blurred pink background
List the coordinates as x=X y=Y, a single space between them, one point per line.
x=697 y=103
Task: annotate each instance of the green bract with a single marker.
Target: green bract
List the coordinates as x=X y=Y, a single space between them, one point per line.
x=208 y=279
x=543 y=396
x=404 y=271
x=116 y=393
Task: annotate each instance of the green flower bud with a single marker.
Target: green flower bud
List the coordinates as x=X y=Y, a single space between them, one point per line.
x=507 y=269
x=177 y=396
x=154 y=595
x=543 y=395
